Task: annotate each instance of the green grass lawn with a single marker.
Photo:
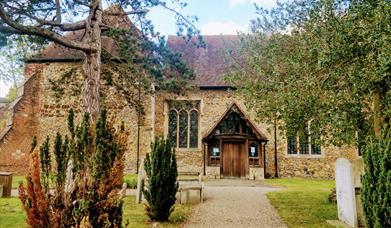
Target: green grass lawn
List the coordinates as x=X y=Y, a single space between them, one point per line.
x=16 y=180
x=13 y=216
x=129 y=179
x=304 y=202
x=11 y=213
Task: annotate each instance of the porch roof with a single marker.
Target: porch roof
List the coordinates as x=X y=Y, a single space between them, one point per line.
x=249 y=122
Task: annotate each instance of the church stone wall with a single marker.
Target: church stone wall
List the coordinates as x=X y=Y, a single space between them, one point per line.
x=213 y=105
x=54 y=111
x=39 y=112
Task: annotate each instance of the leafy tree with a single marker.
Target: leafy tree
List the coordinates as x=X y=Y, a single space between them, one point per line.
x=161 y=169
x=16 y=49
x=321 y=60
x=12 y=94
x=326 y=61
x=49 y=20
x=80 y=198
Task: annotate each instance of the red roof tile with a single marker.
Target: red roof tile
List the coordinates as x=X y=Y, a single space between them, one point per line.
x=210 y=63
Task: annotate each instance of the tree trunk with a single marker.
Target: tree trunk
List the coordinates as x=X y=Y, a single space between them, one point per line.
x=92 y=63
x=377 y=116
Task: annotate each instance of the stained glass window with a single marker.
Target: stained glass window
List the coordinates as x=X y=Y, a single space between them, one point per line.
x=183 y=126
x=183 y=123
x=193 y=129
x=172 y=127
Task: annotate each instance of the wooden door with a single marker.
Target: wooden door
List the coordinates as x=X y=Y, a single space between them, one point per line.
x=234 y=160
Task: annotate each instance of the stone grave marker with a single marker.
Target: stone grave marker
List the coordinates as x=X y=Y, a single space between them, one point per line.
x=345 y=192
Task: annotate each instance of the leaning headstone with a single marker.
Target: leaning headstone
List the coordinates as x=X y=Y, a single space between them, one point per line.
x=345 y=192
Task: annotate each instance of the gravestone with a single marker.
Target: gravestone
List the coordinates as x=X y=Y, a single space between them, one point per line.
x=346 y=201
x=140 y=183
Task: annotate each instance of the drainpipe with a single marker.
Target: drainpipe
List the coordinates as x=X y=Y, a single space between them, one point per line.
x=138 y=124
x=204 y=159
x=264 y=159
x=275 y=149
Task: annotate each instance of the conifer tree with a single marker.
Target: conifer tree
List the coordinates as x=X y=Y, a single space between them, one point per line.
x=161 y=169
x=93 y=200
x=376 y=189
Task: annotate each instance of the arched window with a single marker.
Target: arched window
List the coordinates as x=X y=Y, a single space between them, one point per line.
x=183 y=128
x=193 y=129
x=172 y=127
x=183 y=123
x=233 y=124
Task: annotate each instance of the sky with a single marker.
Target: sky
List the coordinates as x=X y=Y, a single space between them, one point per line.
x=215 y=17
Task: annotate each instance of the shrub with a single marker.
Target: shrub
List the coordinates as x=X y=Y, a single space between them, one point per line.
x=376 y=182
x=161 y=169
x=86 y=190
x=131 y=181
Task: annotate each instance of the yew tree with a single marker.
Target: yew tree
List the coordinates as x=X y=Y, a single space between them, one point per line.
x=49 y=20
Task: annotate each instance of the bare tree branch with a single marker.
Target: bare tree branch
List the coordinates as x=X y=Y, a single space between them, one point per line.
x=142 y=11
x=34 y=30
x=179 y=15
x=63 y=27
x=82 y=3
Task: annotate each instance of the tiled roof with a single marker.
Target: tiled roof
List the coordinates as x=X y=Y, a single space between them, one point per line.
x=210 y=63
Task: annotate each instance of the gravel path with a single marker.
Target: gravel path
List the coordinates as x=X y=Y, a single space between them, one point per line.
x=239 y=206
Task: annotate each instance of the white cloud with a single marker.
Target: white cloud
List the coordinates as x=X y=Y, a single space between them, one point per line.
x=264 y=3
x=224 y=28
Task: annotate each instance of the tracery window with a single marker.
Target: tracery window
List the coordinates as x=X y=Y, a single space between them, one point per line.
x=183 y=121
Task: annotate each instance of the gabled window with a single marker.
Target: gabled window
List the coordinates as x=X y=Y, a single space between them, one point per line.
x=183 y=120
x=304 y=142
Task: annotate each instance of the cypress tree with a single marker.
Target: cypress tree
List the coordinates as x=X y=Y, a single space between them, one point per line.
x=45 y=162
x=161 y=169
x=376 y=182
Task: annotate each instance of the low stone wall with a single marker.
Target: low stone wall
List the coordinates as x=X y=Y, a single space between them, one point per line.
x=256 y=174
x=212 y=172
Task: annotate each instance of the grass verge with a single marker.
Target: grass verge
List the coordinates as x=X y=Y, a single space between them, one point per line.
x=303 y=202
x=13 y=216
x=129 y=179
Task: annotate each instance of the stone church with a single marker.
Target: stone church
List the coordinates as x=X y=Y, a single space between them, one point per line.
x=214 y=132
